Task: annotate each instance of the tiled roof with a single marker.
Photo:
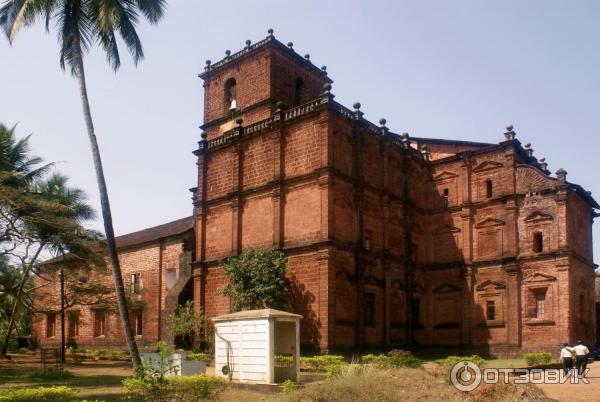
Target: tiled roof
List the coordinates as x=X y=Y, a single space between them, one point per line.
x=154 y=233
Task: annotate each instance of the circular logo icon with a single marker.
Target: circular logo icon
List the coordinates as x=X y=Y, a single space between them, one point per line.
x=465 y=376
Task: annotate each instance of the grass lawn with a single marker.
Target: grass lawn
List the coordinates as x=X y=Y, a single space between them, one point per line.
x=99 y=380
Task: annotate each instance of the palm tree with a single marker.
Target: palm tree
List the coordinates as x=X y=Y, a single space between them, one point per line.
x=80 y=23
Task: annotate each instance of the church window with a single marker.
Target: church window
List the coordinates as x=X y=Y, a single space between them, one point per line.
x=368 y=240
x=230 y=94
x=50 y=325
x=136 y=283
x=538 y=242
x=73 y=324
x=369 y=308
x=491 y=310
x=540 y=299
x=489 y=190
x=298 y=92
x=446 y=196
x=99 y=323
x=136 y=320
x=415 y=313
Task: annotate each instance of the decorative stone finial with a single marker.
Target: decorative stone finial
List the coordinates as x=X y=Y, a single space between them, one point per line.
x=248 y=43
x=561 y=175
x=356 y=106
x=307 y=57
x=327 y=87
x=207 y=66
x=404 y=136
x=290 y=45
x=357 y=113
x=509 y=134
x=227 y=52
x=382 y=122
x=324 y=69
x=203 y=136
x=529 y=150
x=239 y=121
x=543 y=165
x=270 y=32
x=405 y=140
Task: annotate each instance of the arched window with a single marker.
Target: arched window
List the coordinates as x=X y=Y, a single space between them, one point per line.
x=230 y=94
x=298 y=91
x=538 y=242
x=489 y=189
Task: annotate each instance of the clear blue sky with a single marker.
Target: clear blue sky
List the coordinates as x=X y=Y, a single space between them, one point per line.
x=446 y=69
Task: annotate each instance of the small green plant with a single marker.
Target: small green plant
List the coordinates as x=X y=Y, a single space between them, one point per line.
x=452 y=360
x=45 y=394
x=319 y=363
x=334 y=370
x=538 y=359
x=197 y=356
x=23 y=351
x=393 y=359
x=176 y=388
x=288 y=386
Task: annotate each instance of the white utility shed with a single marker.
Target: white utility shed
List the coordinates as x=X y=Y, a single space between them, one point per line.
x=258 y=346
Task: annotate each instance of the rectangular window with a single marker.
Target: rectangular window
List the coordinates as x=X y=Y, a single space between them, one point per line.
x=491 y=310
x=415 y=311
x=99 y=323
x=538 y=242
x=73 y=324
x=137 y=326
x=368 y=239
x=446 y=196
x=50 y=325
x=540 y=299
x=489 y=189
x=135 y=283
x=369 y=308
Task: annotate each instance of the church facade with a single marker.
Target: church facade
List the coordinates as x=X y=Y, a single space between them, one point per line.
x=391 y=239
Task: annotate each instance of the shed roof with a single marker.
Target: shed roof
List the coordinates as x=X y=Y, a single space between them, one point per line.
x=253 y=314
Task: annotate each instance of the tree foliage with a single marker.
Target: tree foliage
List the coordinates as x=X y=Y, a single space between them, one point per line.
x=256 y=280
x=189 y=325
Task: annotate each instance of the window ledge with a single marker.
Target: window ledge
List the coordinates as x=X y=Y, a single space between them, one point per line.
x=536 y=321
x=492 y=324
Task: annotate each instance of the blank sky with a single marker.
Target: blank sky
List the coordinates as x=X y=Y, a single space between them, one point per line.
x=445 y=69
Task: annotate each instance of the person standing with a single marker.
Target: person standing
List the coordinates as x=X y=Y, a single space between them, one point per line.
x=581 y=357
x=566 y=356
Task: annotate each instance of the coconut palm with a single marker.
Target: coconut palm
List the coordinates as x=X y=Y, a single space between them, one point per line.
x=80 y=24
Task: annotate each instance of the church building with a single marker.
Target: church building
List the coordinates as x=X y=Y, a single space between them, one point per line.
x=391 y=240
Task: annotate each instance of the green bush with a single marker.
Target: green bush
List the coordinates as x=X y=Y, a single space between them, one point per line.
x=23 y=351
x=288 y=386
x=334 y=370
x=452 y=360
x=538 y=359
x=176 y=388
x=40 y=375
x=197 y=356
x=320 y=363
x=41 y=394
x=393 y=359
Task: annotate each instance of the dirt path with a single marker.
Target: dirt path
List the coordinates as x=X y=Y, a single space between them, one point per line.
x=576 y=392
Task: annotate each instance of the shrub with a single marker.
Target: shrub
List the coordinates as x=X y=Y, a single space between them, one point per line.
x=288 y=386
x=176 y=388
x=452 y=360
x=41 y=394
x=319 y=363
x=48 y=375
x=393 y=359
x=538 y=359
x=23 y=351
x=197 y=356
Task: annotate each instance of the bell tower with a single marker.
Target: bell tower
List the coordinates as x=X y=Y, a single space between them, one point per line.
x=249 y=84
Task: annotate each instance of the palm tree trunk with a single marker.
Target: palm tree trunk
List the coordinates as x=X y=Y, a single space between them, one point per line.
x=106 y=215
x=13 y=313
